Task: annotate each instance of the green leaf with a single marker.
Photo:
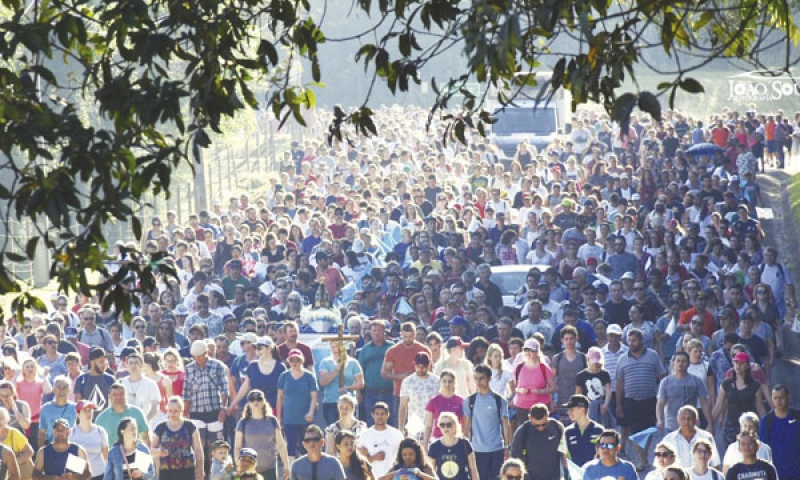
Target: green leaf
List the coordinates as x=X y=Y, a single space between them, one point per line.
x=692 y=86
x=621 y=111
x=650 y=104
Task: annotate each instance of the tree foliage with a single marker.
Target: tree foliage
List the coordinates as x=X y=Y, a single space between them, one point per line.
x=158 y=75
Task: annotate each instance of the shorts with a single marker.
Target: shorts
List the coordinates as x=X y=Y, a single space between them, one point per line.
x=294 y=439
x=772 y=146
x=639 y=414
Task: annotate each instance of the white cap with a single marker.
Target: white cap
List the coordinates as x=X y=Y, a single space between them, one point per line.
x=199 y=347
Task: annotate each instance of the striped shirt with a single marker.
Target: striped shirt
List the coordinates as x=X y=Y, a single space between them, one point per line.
x=610 y=362
x=640 y=376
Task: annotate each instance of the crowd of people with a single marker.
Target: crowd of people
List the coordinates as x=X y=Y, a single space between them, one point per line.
x=647 y=322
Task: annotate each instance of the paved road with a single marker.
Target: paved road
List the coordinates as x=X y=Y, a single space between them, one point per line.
x=784 y=234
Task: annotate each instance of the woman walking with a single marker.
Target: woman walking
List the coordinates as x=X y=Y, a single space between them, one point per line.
x=177 y=449
x=122 y=461
x=259 y=429
x=90 y=436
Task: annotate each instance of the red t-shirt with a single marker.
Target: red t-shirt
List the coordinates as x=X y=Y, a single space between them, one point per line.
x=402 y=359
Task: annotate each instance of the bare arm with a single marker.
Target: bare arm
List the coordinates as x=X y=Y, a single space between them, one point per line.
x=279 y=406
x=23 y=414
x=705 y=404
x=473 y=466
x=25 y=454
x=283 y=452
x=719 y=406
x=326 y=377
x=199 y=455
x=156 y=453
x=660 y=413
x=428 y=430
x=402 y=413
x=11 y=463
x=238 y=439
x=243 y=389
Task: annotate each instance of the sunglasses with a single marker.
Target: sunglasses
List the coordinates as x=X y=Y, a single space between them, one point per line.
x=255 y=399
x=513 y=477
x=446 y=425
x=312 y=440
x=607 y=446
x=663 y=454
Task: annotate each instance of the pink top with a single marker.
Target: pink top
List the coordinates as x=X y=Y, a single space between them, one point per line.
x=439 y=404
x=32 y=393
x=532 y=378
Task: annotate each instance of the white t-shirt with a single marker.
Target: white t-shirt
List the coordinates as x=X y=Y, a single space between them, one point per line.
x=143 y=393
x=419 y=391
x=387 y=441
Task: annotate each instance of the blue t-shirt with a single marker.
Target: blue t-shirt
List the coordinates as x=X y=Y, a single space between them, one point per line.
x=487 y=431
x=296 y=396
x=266 y=383
x=51 y=412
x=330 y=392
x=784 y=438
x=595 y=470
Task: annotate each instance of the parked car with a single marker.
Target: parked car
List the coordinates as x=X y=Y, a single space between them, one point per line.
x=510 y=278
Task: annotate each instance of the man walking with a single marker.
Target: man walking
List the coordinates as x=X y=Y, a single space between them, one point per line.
x=608 y=463
x=486 y=424
x=780 y=429
x=539 y=444
x=415 y=392
x=371 y=356
x=582 y=435
x=379 y=443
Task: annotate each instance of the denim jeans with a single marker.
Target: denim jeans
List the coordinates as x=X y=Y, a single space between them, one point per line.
x=489 y=463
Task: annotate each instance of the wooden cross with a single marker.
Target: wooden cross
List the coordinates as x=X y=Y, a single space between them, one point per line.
x=340 y=338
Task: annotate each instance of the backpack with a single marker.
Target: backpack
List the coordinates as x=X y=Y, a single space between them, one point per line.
x=497 y=400
x=544 y=375
x=762 y=266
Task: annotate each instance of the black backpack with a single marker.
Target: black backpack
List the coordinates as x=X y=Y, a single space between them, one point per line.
x=498 y=400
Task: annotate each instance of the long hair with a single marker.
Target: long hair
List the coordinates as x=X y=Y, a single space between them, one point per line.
x=247 y=411
x=413 y=444
x=494 y=348
x=359 y=469
x=123 y=424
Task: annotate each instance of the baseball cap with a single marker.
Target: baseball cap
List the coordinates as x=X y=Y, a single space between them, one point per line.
x=454 y=342
x=61 y=421
x=531 y=344
x=199 y=347
x=248 y=452
x=741 y=357
x=296 y=353
x=422 y=358
x=577 y=401
x=265 y=342
x=614 y=329
x=459 y=320
x=84 y=404
x=594 y=355
x=249 y=337
x=127 y=352
x=628 y=276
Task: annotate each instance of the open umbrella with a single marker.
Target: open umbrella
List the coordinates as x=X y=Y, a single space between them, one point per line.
x=705 y=149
